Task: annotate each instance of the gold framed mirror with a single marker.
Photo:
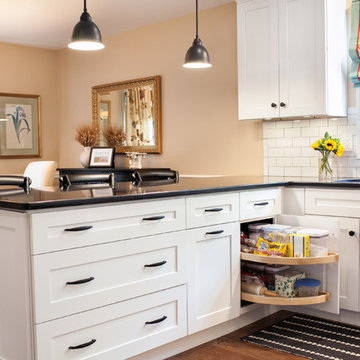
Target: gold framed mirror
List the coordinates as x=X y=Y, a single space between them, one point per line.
x=135 y=107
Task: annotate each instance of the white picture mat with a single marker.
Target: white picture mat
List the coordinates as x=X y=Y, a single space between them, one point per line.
x=23 y=137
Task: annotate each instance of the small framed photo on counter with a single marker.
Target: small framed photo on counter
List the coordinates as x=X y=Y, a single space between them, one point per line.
x=101 y=157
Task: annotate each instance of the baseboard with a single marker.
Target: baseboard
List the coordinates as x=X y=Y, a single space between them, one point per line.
x=345 y=316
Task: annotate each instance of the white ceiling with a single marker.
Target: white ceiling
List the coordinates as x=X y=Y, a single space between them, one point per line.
x=49 y=23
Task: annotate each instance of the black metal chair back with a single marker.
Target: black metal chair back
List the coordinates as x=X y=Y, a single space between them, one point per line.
x=23 y=182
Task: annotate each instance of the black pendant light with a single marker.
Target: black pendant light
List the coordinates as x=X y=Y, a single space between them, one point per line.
x=86 y=35
x=197 y=56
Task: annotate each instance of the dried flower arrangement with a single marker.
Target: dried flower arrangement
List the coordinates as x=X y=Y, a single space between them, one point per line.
x=114 y=136
x=87 y=135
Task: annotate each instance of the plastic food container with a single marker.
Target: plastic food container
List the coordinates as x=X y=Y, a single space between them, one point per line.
x=316 y=251
x=272 y=231
x=319 y=239
x=270 y=272
x=254 y=266
x=307 y=287
x=255 y=230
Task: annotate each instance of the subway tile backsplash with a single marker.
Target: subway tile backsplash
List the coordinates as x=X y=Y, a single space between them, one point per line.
x=288 y=152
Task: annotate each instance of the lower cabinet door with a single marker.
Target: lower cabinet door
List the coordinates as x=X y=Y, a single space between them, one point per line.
x=117 y=331
x=341 y=279
x=214 y=275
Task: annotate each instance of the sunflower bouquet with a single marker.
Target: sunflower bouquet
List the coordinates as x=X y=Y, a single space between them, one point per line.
x=326 y=146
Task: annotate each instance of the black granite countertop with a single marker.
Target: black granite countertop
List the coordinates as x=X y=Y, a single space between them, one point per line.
x=53 y=197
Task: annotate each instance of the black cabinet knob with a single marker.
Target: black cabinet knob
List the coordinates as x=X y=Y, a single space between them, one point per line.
x=282 y=104
x=351 y=233
x=273 y=105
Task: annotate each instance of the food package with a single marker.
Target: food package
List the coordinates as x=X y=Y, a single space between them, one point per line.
x=285 y=282
x=251 y=278
x=298 y=246
x=249 y=242
x=267 y=248
x=247 y=249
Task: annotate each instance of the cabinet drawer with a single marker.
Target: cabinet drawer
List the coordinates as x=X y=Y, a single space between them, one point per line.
x=119 y=330
x=105 y=274
x=333 y=202
x=212 y=209
x=260 y=203
x=67 y=229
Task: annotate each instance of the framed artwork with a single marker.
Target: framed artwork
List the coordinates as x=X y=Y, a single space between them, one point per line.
x=101 y=157
x=20 y=126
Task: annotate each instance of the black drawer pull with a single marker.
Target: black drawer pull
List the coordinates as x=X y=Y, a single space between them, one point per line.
x=156 y=264
x=79 y=282
x=216 y=232
x=80 y=228
x=81 y=346
x=262 y=203
x=214 y=210
x=154 y=218
x=351 y=233
x=156 y=321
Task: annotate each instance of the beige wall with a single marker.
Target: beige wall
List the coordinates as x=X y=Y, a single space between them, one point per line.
x=28 y=70
x=201 y=133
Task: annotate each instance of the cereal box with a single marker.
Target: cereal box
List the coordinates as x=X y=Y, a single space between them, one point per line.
x=298 y=246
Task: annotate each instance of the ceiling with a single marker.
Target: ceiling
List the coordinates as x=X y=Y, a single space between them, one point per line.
x=49 y=23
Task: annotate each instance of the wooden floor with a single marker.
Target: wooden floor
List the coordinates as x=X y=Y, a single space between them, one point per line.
x=230 y=347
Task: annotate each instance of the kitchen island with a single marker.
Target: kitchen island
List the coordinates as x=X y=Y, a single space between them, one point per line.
x=162 y=262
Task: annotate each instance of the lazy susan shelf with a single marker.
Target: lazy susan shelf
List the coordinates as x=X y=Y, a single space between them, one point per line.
x=330 y=258
x=310 y=300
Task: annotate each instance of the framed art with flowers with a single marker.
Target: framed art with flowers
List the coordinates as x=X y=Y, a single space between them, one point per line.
x=19 y=126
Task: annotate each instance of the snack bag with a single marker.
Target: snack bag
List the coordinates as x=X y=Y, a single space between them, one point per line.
x=267 y=248
x=277 y=249
x=262 y=244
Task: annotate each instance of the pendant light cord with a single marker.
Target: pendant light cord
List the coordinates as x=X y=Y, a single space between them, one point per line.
x=197 y=20
x=85 y=9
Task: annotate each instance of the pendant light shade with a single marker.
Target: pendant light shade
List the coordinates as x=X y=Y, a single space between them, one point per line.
x=86 y=35
x=197 y=56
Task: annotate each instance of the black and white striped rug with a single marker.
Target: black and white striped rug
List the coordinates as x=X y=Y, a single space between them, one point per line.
x=311 y=337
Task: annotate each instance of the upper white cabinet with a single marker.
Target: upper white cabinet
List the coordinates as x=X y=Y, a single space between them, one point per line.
x=291 y=58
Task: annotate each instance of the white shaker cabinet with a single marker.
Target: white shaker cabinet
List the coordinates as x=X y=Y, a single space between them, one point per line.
x=214 y=275
x=291 y=58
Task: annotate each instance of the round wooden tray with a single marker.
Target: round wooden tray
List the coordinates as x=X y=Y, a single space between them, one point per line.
x=330 y=258
x=261 y=299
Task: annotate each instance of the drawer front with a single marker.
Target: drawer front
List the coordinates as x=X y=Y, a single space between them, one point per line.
x=334 y=202
x=260 y=203
x=119 y=330
x=212 y=209
x=50 y=231
x=71 y=281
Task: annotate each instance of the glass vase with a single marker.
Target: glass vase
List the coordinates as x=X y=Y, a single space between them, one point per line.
x=325 y=167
